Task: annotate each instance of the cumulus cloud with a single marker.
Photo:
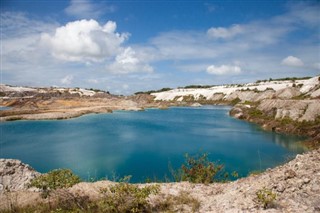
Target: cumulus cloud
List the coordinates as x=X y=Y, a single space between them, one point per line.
x=87 y=9
x=292 y=61
x=221 y=32
x=128 y=62
x=67 y=80
x=85 y=40
x=223 y=70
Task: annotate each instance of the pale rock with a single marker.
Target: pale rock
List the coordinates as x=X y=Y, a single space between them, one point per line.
x=216 y=97
x=288 y=93
x=15 y=175
x=311 y=112
x=309 y=84
x=196 y=105
x=315 y=94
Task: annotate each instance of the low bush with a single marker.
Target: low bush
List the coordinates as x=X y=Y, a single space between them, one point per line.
x=235 y=101
x=125 y=197
x=198 y=169
x=55 y=179
x=266 y=198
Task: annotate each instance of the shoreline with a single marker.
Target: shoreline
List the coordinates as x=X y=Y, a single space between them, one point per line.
x=75 y=112
x=295 y=183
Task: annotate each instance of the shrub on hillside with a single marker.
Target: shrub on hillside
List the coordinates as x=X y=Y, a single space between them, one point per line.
x=198 y=169
x=266 y=198
x=125 y=197
x=55 y=179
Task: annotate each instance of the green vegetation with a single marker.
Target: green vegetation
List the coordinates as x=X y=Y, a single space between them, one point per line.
x=255 y=113
x=235 y=101
x=266 y=198
x=125 y=197
x=117 y=198
x=198 y=169
x=97 y=90
x=153 y=91
x=284 y=79
x=196 y=87
x=55 y=179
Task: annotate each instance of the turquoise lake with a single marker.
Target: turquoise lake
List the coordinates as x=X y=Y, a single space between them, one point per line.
x=143 y=143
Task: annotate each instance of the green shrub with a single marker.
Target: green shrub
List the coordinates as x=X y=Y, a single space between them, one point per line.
x=266 y=198
x=55 y=179
x=235 y=101
x=255 y=113
x=198 y=169
x=125 y=197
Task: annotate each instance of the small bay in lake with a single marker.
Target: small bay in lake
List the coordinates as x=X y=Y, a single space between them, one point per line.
x=143 y=143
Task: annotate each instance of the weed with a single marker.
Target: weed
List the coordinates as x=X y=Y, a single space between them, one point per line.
x=266 y=198
x=125 y=197
x=235 y=101
x=55 y=179
x=198 y=169
x=183 y=202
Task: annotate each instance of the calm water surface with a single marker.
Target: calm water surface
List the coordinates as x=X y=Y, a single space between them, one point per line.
x=142 y=144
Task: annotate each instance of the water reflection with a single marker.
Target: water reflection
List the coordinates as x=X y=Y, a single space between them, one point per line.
x=142 y=143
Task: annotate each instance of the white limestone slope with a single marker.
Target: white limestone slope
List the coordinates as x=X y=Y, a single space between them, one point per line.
x=7 y=88
x=305 y=86
x=15 y=89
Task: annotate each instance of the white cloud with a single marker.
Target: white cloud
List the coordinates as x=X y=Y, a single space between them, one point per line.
x=94 y=81
x=221 y=32
x=292 y=61
x=67 y=80
x=128 y=62
x=87 y=9
x=85 y=40
x=223 y=70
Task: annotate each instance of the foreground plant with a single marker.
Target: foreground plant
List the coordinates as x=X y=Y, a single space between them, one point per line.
x=266 y=198
x=55 y=179
x=125 y=197
x=199 y=169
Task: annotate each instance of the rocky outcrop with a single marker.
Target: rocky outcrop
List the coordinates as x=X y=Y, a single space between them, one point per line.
x=15 y=175
x=315 y=94
x=297 y=110
x=288 y=93
x=301 y=110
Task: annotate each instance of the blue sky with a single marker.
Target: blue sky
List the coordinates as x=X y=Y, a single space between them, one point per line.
x=129 y=46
